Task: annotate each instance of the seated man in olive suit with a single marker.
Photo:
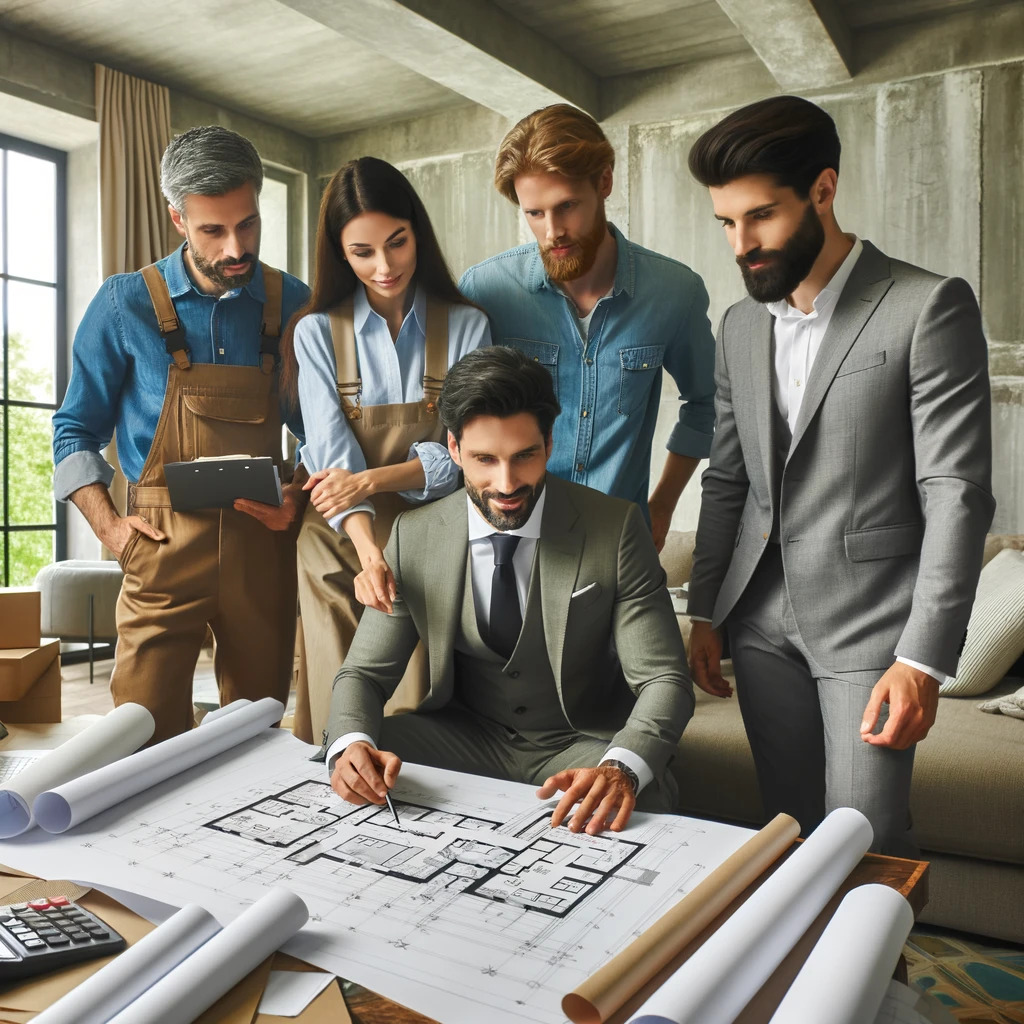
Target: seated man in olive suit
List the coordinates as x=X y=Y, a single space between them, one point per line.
x=554 y=653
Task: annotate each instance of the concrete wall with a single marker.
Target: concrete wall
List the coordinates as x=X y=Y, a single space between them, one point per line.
x=933 y=173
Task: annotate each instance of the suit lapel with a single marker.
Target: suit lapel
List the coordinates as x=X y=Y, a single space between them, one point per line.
x=559 y=552
x=758 y=329
x=449 y=533
x=864 y=290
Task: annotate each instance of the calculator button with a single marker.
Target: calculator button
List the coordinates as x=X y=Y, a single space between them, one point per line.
x=10 y=922
x=57 y=940
x=18 y=906
x=39 y=904
x=98 y=933
x=60 y=901
x=22 y=932
x=43 y=932
x=34 y=943
x=79 y=937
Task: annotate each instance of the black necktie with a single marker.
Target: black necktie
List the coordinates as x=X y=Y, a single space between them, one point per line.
x=505 y=620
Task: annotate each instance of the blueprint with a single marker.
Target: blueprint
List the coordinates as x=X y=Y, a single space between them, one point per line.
x=475 y=909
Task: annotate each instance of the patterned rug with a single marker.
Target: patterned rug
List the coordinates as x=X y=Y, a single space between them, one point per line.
x=978 y=981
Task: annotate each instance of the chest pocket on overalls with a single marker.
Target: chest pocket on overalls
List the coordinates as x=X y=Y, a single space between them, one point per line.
x=221 y=424
x=638 y=373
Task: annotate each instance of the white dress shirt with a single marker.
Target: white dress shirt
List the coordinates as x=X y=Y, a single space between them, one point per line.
x=481 y=567
x=798 y=338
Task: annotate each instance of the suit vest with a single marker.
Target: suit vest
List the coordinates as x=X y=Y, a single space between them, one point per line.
x=520 y=694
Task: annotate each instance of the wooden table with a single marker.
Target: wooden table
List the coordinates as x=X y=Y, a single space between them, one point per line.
x=908 y=877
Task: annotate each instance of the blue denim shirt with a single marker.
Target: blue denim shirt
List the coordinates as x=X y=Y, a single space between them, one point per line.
x=119 y=365
x=655 y=318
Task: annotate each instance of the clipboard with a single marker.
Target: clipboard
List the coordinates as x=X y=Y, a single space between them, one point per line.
x=216 y=483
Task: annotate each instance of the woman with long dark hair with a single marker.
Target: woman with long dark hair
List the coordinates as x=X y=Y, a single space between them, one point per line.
x=365 y=358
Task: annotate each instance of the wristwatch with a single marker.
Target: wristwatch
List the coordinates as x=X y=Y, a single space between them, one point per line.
x=627 y=771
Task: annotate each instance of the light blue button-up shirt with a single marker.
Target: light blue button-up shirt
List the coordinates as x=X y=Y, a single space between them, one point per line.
x=609 y=386
x=119 y=371
x=390 y=372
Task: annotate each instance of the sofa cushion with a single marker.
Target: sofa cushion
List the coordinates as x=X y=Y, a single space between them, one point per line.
x=995 y=634
x=968 y=792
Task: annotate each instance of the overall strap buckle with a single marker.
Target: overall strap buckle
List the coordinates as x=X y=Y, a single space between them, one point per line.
x=167 y=320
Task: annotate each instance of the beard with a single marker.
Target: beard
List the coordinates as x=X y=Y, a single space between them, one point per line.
x=578 y=262
x=787 y=266
x=505 y=521
x=215 y=271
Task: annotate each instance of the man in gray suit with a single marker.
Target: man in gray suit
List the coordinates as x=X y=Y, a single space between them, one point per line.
x=845 y=506
x=554 y=652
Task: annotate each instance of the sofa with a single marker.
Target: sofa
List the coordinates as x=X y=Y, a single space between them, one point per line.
x=967 y=799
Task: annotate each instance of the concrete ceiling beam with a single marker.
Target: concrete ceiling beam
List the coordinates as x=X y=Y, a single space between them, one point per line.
x=473 y=48
x=804 y=45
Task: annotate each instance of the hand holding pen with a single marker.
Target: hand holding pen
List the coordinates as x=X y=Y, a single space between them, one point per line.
x=364 y=775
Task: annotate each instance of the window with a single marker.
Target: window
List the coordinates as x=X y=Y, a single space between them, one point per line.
x=32 y=311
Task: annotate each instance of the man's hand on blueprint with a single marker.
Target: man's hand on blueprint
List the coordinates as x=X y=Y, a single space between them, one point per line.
x=604 y=794
x=363 y=774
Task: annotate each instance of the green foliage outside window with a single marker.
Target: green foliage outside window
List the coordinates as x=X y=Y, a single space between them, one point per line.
x=27 y=445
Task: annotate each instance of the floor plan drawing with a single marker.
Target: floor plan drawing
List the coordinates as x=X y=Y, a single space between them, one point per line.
x=474 y=909
x=553 y=873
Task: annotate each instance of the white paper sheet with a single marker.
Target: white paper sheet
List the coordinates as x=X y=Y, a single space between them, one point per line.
x=288 y=993
x=197 y=983
x=113 y=737
x=900 y=1006
x=61 y=808
x=139 y=967
x=479 y=911
x=725 y=973
x=845 y=978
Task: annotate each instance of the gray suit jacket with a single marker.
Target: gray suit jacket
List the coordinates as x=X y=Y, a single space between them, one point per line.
x=886 y=492
x=586 y=538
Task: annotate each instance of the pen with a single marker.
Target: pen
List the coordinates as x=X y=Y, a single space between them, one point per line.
x=391 y=808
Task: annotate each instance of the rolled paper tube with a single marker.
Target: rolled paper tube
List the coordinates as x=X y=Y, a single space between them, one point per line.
x=119 y=733
x=623 y=976
x=137 y=969
x=845 y=978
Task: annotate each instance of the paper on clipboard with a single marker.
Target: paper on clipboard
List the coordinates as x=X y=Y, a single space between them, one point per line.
x=216 y=483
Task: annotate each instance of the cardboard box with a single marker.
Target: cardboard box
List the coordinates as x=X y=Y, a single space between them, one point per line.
x=22 y=666
x=41 y=703
x=19 y=617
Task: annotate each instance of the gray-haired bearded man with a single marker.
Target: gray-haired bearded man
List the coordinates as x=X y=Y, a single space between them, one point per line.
x=181 y=359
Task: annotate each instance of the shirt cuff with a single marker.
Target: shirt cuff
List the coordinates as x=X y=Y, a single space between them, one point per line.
x=440 y=473
x=335 y=521
x=699 y=618
x=938 y=676
x=687 y=440
x=631 y=760
x=80 y=469
x=335 y=750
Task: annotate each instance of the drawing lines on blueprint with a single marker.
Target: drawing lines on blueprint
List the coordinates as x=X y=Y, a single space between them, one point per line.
x=477 y=907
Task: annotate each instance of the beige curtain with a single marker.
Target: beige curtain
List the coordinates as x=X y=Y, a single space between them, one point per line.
x=135 y=229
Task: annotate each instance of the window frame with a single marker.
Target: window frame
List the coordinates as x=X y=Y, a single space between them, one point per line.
x=60 y=285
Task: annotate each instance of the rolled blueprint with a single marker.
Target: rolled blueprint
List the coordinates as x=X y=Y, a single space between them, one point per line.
x=217 y=713
x=846 y=977
x=725 y=973
x=117 y=734
x=196 y=984
x=604 y=992
x=137 y=969
x=59 y=809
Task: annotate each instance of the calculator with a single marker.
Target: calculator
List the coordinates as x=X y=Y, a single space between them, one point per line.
x=50 y=933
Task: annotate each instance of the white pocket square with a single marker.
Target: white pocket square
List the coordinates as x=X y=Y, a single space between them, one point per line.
x=585 y=590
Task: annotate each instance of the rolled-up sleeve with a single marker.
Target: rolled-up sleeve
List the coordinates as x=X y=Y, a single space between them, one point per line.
x=691 y=362
x=84 y=423
x=329 y=439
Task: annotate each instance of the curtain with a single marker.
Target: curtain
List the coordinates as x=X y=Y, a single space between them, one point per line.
x=135 y=230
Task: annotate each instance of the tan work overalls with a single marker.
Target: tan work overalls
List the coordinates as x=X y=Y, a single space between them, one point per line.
x=327 y=560
x=218 y=567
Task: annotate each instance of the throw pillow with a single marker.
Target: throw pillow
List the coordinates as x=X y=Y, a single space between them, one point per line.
x=995 y=635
